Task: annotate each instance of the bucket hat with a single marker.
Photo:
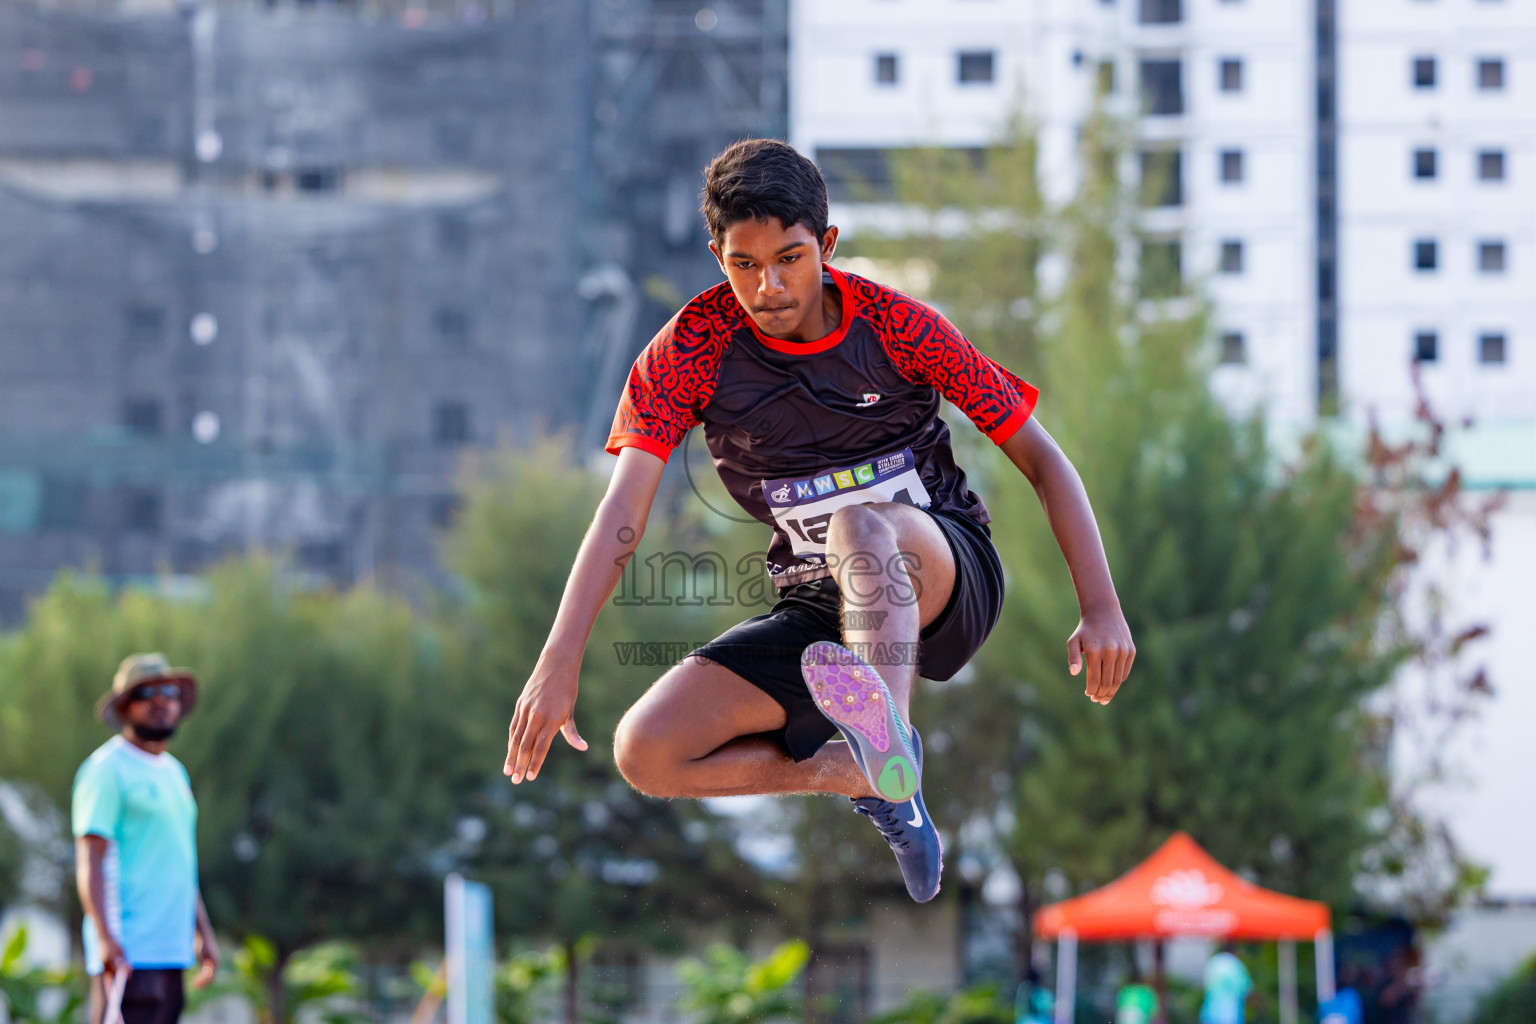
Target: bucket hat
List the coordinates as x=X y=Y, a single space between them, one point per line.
x=144 y=668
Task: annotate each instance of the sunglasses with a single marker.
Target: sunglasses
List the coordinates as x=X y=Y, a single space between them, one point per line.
x=149 y=691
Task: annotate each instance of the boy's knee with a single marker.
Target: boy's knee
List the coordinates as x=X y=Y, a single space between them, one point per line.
x=641 y=758
x=859 y=527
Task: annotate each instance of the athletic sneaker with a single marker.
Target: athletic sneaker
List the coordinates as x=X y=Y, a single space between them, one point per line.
x=851 y=694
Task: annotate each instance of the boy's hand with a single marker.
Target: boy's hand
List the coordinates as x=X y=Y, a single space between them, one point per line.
x=1102 y=642
x=543 y=710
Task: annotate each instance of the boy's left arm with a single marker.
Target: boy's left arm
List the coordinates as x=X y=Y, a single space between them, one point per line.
x=1102 y=641
x=928 y=349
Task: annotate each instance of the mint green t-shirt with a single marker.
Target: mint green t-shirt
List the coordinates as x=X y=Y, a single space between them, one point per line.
x=1226 y=987
x=142 y=804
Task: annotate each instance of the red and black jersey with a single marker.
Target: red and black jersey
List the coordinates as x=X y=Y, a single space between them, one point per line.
x=824 y=422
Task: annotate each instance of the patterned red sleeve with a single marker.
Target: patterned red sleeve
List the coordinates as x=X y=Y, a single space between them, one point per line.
x=671 y=380
x=928 y=349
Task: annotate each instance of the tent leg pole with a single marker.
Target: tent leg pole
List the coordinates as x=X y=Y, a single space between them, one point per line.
x=1323 y=944
x=1287 y=981
x=1066 y=975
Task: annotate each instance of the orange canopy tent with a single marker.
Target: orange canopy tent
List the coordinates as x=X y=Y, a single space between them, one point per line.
x=1182 y=890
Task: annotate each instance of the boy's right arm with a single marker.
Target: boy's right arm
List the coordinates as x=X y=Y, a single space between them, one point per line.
x=549 y=696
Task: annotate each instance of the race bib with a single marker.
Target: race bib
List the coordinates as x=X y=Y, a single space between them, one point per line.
x=802 y=506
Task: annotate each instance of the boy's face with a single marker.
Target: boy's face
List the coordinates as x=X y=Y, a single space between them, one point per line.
x=776 y=274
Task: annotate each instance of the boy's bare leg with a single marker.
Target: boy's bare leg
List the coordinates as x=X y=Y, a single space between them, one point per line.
x=703 y=731
x=896 y=571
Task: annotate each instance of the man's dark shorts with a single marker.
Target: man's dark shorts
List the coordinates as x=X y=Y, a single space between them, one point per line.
x=153 y=995
x=765 y=649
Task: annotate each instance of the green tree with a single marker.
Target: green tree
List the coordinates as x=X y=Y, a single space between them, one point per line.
x=577 y=852
x=325 y=750
x=25 y=990
x=524 y=982
x=1256 y=591
x=979 y=1005
x=346 y=749
x=322 y=978
x=726 y=986
x=1513 y=1001
x=12 y=856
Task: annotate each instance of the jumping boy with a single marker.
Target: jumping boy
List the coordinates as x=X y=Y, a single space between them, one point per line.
x=819 y=396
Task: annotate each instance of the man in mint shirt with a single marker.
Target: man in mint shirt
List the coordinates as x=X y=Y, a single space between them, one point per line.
x=134 y=821
x=1226 y=988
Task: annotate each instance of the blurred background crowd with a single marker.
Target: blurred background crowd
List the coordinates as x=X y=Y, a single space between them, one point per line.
x=314 y=313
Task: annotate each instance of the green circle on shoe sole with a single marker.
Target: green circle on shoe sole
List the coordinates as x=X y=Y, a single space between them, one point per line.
x=897 y=780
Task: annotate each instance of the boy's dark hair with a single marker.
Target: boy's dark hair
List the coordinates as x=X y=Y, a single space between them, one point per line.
x=755 y=179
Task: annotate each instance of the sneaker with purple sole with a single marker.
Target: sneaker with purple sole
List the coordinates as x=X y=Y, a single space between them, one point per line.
x=853 y=697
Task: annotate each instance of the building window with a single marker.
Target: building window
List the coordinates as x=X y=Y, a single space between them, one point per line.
x=452 y=234
x=141 y=416
x=1490 y=74
x=1423 y=72
x=1234 y=348
x=1231 y=256
x=147 y=134
x=455 y=140
x=682 y=72
x=1426 y=254
x=885 y=69
x=452 y=325
x=141 y=510
x=977 y=67
x=1162 y=177
x=1490 y=347
x=322 y=555
x=1424 y=164
x=1490 y=257
x=1231 y=166
x=1426 y=347
x=317 y=179
x=860 y=174
x=1162 y=87
x=1490 y=165
x=1231 y=75
x=1161 y=12
x=63 y=505
x=1159 y=274
x=450 y=424
x=145 y=324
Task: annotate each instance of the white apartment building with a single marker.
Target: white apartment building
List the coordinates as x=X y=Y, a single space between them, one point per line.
x=1227 y=120
x=1355 y=187
x=1437 y=211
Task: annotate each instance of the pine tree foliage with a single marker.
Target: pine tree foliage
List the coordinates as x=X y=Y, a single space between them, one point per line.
x=577 y=850
x=323 y=749
x=1252 y=589
x=346 y=750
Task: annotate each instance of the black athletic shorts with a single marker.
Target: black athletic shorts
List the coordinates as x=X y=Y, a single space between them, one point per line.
x=765 y=649
x=153 y=995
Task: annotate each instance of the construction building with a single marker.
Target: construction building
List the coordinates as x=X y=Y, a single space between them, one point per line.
x=268 y=269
